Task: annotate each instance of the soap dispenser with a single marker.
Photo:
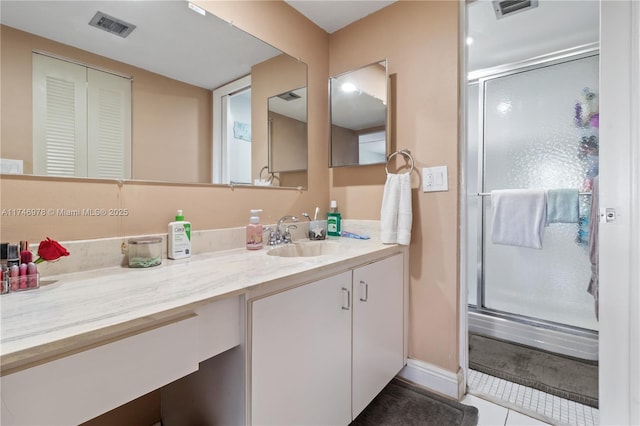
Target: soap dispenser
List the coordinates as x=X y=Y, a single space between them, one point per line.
x=179 y=238
x=254 y=231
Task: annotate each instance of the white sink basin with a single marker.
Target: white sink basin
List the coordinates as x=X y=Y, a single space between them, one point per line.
x=306 y=249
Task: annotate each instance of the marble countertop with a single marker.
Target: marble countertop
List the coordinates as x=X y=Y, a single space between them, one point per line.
x=84 y=309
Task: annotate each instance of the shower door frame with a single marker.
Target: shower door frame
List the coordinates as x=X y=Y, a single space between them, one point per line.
x=557 y=331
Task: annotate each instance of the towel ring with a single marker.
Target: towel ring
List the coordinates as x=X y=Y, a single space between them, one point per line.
x=407 y=155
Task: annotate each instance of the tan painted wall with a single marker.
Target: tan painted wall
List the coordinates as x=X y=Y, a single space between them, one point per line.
x=344 y=146
x=169 y=117
x=288 y=137
x=420 y=39
x=152 y=205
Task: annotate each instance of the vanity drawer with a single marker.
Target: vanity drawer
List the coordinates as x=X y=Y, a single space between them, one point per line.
x=218 y=326
x=78 y=387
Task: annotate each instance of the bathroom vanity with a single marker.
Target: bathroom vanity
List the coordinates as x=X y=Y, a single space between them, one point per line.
x=333 y=325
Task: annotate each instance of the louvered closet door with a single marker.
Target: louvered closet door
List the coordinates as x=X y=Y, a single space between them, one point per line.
x=109 y=142
x=59 y=117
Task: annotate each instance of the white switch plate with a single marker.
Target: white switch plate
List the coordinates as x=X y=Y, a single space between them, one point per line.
x=435 y=179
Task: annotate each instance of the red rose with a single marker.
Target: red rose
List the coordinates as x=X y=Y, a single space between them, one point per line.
x=50 y=250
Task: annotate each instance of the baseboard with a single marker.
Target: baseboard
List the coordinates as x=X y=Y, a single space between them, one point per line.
x=434 y=378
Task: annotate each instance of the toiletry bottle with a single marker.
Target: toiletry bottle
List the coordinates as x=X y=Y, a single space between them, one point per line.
x=13 y=256
x=179 y=238
x=333 y=220
x=254 y=231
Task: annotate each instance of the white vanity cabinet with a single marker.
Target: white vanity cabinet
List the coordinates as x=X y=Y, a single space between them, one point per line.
x=322 y=351
x=301 y=355
x=378 y=328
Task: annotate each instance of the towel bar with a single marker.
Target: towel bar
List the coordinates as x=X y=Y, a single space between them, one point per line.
x=404 y=152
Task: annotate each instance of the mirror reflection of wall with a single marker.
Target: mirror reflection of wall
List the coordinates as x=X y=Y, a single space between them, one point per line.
x=288 y=131
x=280 y=75
x=359 y=116
x=171 y=96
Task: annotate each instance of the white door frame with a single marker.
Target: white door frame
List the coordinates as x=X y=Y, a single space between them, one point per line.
x=463 y=294
x=619 y=241
x=619 y=376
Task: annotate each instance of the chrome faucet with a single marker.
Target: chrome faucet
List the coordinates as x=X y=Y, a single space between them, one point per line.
x=283 y=235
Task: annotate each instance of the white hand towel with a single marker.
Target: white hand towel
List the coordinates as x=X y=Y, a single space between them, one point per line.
x=405 y=215
x=519 y=217
x=396 y=212
x=389 y=210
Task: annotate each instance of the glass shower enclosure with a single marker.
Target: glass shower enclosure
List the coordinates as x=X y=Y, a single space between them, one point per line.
x=534 y=126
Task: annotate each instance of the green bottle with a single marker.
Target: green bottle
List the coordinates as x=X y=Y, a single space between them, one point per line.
x=333 y=220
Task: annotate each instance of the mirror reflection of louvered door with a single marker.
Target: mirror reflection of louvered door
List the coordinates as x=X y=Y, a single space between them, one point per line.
x=81 y=120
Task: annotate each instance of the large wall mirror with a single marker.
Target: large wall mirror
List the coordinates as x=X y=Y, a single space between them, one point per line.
x=166 y=59
x=359 y=116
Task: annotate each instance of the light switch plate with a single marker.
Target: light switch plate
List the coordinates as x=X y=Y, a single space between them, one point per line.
x=435 y=179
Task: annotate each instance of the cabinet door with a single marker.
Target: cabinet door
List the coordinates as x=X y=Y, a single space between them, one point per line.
x=378 y=350
x=301 y=355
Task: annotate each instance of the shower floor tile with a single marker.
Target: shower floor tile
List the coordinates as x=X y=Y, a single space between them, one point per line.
x=540 y=405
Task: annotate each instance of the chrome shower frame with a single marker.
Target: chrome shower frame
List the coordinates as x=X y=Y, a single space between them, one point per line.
x=539 y=333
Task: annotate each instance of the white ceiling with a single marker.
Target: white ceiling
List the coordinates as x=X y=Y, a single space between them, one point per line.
x=336 y=14
x=554 y=25
x=162 y=42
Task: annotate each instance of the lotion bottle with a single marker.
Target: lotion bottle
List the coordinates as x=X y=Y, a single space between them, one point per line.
x=254 y=231
x=179 y=238
x=333 y=220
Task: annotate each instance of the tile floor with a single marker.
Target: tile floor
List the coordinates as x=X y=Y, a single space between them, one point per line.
x=501 y=402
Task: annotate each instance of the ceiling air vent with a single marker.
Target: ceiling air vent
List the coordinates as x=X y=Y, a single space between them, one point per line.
x=509 y=7
x=112 y=25
x=288 y=96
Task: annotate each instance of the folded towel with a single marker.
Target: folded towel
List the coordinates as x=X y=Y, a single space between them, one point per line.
x=562 y=206
x=389 y=210
x=519 y=217
x=396 y=212
x=405 y=214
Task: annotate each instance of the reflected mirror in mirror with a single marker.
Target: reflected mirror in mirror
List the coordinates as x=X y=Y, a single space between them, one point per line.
x=359 y=116
x=172 y=60
x=288 y=131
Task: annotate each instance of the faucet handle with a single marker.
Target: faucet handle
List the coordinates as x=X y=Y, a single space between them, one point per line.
x=272 y=235
x=286 y=238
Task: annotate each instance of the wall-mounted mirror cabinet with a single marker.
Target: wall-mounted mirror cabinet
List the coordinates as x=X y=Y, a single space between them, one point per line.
x=164 y=59
x=358 y=101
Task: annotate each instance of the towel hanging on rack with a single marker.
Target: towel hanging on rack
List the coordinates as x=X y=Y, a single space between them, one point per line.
x=519 y=217
x=562 y=206
x=396 y=214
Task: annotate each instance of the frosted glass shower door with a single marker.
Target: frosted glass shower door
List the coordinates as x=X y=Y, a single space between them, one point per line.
x=532 y=139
